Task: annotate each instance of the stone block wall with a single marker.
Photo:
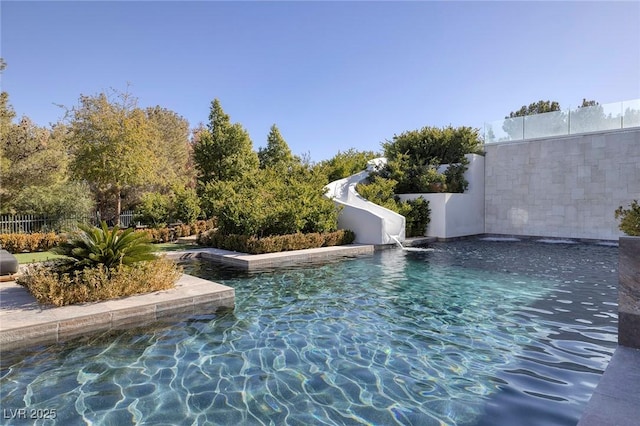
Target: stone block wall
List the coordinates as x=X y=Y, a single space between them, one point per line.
x=566 y=187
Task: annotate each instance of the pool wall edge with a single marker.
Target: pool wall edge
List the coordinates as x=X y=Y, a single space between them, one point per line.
x=629 y=292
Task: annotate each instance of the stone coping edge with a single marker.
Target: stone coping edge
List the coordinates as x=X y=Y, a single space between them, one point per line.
x=35 y=325
x=272 y=260
x=616 y=399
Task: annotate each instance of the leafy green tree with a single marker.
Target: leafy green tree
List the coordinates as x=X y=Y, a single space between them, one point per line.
x=186 y=205
x=539 y=107
x=277 y=153
x=34 y=166
x=113 y=147
x=101 y=246
x=60 y=200
x=223 y=151
x=172 y=147
x=514 y=125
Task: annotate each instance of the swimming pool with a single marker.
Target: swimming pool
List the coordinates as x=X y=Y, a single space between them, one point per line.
x=473 y=333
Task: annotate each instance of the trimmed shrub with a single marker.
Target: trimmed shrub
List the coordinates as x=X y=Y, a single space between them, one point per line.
x=166 y=235
x=49 y=285
x=274 y=244
x=629 y=219
x=18 y=243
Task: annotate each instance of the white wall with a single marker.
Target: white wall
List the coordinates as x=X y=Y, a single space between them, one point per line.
x=565 y=187
x=458 y=215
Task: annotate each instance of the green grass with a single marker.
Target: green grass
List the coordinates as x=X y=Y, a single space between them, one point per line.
x=36 y=256
x=41 y=256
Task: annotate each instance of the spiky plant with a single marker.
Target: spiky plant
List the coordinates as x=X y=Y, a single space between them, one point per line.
x=100 y=246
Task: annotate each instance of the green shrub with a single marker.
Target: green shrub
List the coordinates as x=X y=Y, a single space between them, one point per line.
x=418 y=215
x=153 y=210
x=271 y=202
x=629 y=218
x=381 y=191
x=274 y=244
x=100 y=246
x=345 y=164
x=50 y=285
x=165 y=235
x=414 y=157
x=186 y=205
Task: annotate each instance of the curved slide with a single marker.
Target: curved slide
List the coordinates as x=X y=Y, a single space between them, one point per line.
x=372 y=224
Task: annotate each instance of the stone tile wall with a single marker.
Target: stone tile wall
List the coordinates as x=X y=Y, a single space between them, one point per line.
x=567 y=187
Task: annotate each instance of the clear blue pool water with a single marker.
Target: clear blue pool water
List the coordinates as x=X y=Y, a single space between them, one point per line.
x=473 y=333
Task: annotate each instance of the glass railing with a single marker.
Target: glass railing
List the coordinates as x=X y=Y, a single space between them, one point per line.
x=619 y=115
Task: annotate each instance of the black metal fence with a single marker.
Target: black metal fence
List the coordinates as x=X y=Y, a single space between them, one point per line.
x=28 y=224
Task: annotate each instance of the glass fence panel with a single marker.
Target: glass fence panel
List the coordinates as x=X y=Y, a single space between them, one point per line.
x=595 y=118
x=619 y=115
x=510 y=129
x=545 y=125
x=631 y=113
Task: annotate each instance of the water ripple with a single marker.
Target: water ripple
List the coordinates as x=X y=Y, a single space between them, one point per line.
x=473 y=333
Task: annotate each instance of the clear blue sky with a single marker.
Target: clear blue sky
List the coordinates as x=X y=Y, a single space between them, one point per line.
x=331 y=75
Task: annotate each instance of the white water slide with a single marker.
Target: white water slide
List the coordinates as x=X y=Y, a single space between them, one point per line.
x=372 y=224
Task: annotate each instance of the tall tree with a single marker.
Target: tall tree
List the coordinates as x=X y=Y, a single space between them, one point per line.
x=277 y=153
x=32 y=158
x=113 y=146
x=172 y=146
x=223 y=151
x=590 y=116
x=515 y=126
x=539 y=107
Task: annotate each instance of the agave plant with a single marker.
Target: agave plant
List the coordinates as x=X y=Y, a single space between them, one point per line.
x=100 y=246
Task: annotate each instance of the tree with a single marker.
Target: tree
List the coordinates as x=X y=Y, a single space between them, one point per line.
x=589 y=117
x=223 y=151
x=539 y=107
x=34 y=164
x=515 y=126
x=113 y=146
x=277 y=153
x=172 y=146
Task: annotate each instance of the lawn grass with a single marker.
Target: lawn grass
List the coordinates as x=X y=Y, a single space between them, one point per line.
x=41 y=256
x=36 y=256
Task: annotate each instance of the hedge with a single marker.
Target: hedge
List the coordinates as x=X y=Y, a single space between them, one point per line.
x=274 y=244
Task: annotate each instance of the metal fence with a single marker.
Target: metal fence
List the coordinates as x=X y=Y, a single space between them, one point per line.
x=28 y=224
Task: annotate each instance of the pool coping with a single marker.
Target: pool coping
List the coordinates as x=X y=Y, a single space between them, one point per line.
x=272 y=260
x=616 y=399
x=24 y=322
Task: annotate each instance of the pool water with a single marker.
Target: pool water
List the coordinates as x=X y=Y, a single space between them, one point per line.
x=472 y=333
